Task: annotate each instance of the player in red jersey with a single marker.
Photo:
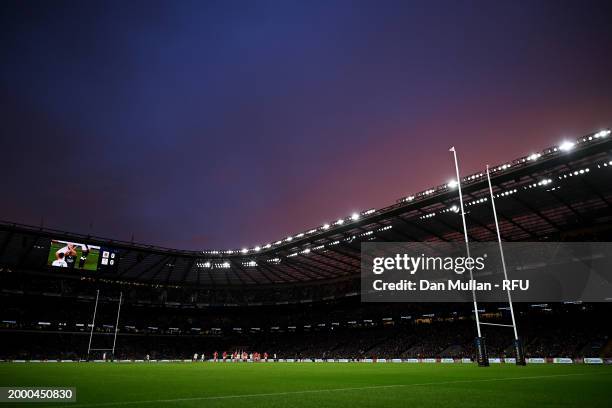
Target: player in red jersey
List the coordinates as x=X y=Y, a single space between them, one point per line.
x=215 y=356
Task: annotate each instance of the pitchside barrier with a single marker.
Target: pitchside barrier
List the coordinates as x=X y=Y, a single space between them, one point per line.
x=493 y=360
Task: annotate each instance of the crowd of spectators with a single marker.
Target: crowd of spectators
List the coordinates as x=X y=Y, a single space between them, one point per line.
x=43 y=327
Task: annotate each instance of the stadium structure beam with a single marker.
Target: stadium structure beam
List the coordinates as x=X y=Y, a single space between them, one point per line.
x=299 y=271
x=353 y=252
x=337 y=250
x=210 y=277
x=238 y=275
x=590 y=188
x=569 y=206
x=400 y=233
x=310 y=268
x=323 y=273
x=170 y=270
x=452 y=228
x=349 y=246
x=187 y=270
x=425 y=243
x=538 y=213
x=593 y=190
x=374 y=233
x=322 y=254
x=311 y=259
x=474 y=219
x=132 y=266
x=422 y=228
x=500 y=215
x=247 y=273
x=347 y=255
x=161 y=262
x=276 y=273
x=226 y=273
x=271 y=272
x=159 y=270
x=338 y=256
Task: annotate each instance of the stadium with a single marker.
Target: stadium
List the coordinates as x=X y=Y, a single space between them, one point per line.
x=270 y=203
x=231 y=313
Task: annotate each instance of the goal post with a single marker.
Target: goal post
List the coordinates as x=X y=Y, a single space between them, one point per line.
x=481 y=349
x=93 y=325
x=518 y=346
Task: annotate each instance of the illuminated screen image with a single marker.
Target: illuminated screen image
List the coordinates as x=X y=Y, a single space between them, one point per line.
x=73 y=255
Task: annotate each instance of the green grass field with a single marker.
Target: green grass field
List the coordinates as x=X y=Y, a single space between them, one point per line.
x=91 y=264
x=318 y=384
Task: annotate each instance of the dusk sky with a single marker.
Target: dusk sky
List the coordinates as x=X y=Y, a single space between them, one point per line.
x=210 y=125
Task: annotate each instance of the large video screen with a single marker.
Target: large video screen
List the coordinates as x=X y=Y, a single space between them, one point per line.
x=75 y=255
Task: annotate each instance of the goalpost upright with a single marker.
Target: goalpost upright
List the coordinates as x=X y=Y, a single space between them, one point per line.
x=117 y=324
x=483 y=358
x=518 y=347
x=93 y=323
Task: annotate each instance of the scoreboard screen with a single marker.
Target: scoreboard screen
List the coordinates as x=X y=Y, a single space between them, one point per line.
x=77 y=255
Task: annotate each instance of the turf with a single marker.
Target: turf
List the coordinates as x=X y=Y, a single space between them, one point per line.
x=319 y=384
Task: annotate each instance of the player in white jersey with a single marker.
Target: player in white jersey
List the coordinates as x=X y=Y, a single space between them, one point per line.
x=60 y=262
x=69 y=252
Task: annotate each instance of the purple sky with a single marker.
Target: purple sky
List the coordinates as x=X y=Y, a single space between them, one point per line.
x=234 y=123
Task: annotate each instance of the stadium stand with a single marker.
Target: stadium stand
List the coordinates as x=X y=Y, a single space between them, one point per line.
x=299 y=297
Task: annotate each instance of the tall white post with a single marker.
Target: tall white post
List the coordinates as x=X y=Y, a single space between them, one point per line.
x=93 y=322
x=501 y=251
x=465 y=234
x=117 y=324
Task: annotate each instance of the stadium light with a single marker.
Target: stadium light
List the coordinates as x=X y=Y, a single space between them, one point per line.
x=340 y=222
x=452 y=184
x=566 y=146
x=325 y=226
x=244 y=250
x=534 y=156
x=354 y=216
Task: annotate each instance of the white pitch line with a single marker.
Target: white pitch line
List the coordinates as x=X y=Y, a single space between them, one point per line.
x=274 y=394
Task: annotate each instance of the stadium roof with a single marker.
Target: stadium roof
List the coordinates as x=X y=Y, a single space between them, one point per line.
x=556 y=192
